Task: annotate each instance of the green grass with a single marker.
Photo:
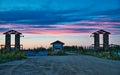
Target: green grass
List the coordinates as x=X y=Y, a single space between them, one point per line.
x=11 y=55
x=59 y=53
x=17 y=55
x=101 y=54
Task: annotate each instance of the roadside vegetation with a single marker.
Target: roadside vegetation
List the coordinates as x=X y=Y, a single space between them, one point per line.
x=11 y=55
x=113 y=53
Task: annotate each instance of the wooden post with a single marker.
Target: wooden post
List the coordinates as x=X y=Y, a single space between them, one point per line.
x=7 y=42
x=96 y=41
x=105 y=42
x=17 y=41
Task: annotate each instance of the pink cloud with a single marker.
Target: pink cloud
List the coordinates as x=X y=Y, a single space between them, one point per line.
x=52 y=32
x=96 y=22
x=79 y=27
x=82 y=26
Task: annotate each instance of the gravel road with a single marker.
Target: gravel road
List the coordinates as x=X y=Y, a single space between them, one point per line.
x=61 y=65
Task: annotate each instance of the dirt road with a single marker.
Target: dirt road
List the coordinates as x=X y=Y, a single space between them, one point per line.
x=61 y=65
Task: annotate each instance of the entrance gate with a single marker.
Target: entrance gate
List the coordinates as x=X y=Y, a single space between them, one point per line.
x=8 y=40
x=97 y=39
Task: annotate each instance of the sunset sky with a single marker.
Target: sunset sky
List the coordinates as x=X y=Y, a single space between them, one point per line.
x=70 y=21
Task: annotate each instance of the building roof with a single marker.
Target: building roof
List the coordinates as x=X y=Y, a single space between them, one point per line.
x=58 y=42
x=101 y=32
x=12 y=32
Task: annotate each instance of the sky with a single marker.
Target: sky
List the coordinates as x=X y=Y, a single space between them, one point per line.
x=70 y=21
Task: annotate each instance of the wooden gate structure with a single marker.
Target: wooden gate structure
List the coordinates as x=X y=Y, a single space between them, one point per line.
x=8 y=45
x=97 y=39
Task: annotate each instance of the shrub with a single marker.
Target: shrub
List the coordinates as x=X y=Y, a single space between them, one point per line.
x=100 y=54
x=61 y=52
x=11 y=55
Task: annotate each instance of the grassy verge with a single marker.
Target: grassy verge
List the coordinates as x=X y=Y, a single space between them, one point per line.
x=106 y=55
x=11 y=55
x=59 y=53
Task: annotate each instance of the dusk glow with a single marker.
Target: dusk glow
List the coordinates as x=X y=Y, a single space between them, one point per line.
x=71 y=21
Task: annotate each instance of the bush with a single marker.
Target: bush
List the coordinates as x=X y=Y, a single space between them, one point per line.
x=105 y=55
x=100 y=54
x=11 y=55
x=61 y=52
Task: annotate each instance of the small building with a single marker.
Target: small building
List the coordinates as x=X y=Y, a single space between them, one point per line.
x=57 y=46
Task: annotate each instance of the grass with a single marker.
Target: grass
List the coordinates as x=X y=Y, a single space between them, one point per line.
x=17 y=55
x=111 y=54
x=101 y=54
x=59 y=53
x=108 y=55
x=85 y=51
x=11 y=55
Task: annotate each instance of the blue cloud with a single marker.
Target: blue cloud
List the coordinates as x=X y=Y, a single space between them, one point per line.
x=48 y=12
x=4 y=29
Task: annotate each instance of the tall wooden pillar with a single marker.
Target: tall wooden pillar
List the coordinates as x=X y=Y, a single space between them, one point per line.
x=7 y=42
x=17 y=41
x=105 y=42
x=96 y=41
